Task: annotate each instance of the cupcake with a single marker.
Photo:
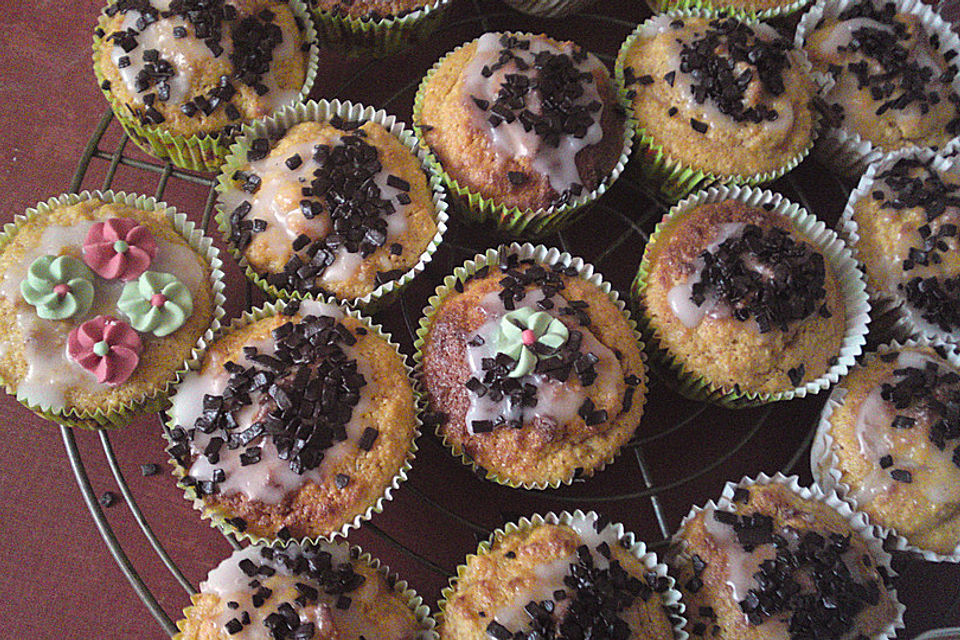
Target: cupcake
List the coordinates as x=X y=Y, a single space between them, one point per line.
x=531 y=366
x=893 y=82
x=716 y=99
x=297 y=424
x=307 y=592
x=561 y=576
x=329 y=199
x=775 y=561
x=889 y=441
x=902 y=223
x=376 y=28
x=183 y=79
x=525 y=128
x=749 y=9
x=749 y=299
x=104 y=298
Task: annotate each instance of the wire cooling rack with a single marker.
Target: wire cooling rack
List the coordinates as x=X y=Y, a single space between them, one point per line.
x=683 y=450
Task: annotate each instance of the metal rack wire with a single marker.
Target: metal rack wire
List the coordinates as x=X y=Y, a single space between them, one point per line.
x=460 y=243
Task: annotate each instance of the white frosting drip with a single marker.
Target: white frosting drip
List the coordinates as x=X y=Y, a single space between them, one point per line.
x=679 y=296
x=510 y=139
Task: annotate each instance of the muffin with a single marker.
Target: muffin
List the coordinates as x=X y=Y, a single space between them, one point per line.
x=774 y=561
x=716 y=99
x=889 y=440
x=750 y=9
x=902 y=223
x=319 y=202
x=104 y=299
x=376 y=28
x=307 y=592
x=531 y=367
x=749 y=299
x=549 y=575
x=183 y=79
x=297 y=424
x=498 y=114
x=894 y=85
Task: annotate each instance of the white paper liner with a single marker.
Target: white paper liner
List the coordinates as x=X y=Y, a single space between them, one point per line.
x=203 y=245
x=824 y=462
x=549 y=8
x=858 y=523
x=837 y=255
x=544 y=256
x=323 y=111
x=637 y=548
x=400 y=587
x=845 y=150
x=888 y=307
x=219 y=520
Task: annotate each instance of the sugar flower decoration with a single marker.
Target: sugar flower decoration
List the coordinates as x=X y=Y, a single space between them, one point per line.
x=119 y=248
x=106 y=347
x=527 y=335
x=156 y=303
x=58 y=286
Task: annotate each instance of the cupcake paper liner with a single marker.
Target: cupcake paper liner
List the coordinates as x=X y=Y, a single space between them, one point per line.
x=637 y=548
x=123 y=414
x=672 y=177
x=663 y=6
x=220 y=521
x=199 y=152
x=514 y=221
x=824 y=462
x=493 y=257
x=549 y=8
x=837 y=255
x=892 y=317
x=400 y=587
x=846 y=151
x=858 y=523
x=322 y=111
x=381 y=37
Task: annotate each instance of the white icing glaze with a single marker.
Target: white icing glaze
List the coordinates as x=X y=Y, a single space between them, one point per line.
x=679 y=296
x=510 y=139
x=841 y=33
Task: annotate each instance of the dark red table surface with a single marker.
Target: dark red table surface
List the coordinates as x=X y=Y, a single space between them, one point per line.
x=58 y=579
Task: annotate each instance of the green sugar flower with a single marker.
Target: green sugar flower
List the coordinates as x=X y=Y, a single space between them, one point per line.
x=523 y=328
x=58 y=286
x=156 y=302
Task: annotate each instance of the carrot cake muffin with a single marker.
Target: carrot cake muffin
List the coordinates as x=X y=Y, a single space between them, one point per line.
x=522 y=120
x=741 y=299
x=308 y=592
x=895 y=443
x=771 y=565
x=296 y=425
x=893 y=86
x=330 y=208
x=718 y=95
x=534 y=371
x=555 y=580
x=102 y=302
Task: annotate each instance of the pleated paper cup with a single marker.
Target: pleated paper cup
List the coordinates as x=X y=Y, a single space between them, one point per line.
x=547 y=257
x=113 y=414
x=198 y=152
x=273 y=128
x=580 y=521
x=825 y=465
x=852 y=289
x=229 y=523
x=732 y=8
x=378 y=37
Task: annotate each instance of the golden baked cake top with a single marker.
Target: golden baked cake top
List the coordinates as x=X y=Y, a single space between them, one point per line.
x=370 y=9
x=893 y=86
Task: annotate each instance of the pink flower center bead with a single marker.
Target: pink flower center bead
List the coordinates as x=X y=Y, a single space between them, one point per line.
x=120 y=246
x=61 y=290
x=158 y=300
x=528 y=337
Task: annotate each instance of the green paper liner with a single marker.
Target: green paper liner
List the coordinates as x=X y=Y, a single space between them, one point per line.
x=219 y=521
x=199 y=152
x=544 y=256
x=835 y=252
x=124 y=413
x=358 y=555
x=322 y=111
x=664 y=6
x=824 y=464
x=672 y=600
x=672 y=177
x=381 y=37
x=549 y=8
x=514 y=221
